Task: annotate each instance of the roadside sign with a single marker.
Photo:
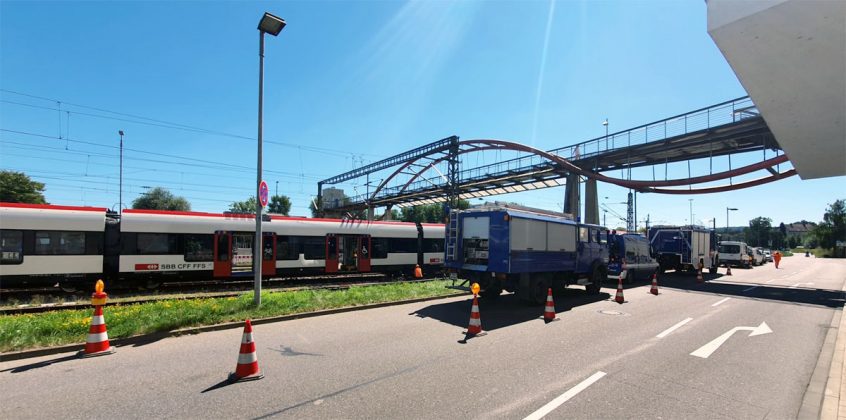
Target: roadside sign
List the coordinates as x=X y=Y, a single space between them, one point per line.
x=263 y=193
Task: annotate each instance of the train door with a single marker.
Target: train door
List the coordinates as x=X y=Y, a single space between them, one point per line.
x=222 y=254
x=364 y=253
x=268 y=260
x=332 y=263
x=242 y=253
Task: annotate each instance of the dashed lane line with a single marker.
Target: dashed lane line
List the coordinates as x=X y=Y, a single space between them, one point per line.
x=673 y=328
x=718 y=303
x=561 y=399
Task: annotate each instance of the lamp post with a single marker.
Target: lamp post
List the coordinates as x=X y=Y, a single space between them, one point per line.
x=727 y=217
x=269 y=24
x=605 y=123
x=120 y=194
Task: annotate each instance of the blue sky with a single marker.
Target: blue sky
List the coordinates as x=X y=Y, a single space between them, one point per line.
x=348 y=83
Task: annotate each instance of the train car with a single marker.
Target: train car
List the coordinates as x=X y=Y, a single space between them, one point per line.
x=44 y=245
x=157 y=245
x=60 y=245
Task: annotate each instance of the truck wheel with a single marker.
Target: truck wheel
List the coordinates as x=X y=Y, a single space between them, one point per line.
x=630 y=277
x=539 y=288
x=596 y=280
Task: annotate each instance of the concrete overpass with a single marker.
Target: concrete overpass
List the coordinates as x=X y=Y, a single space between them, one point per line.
x=790 y=56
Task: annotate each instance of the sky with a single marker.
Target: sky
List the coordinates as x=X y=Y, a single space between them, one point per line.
x=348 y=83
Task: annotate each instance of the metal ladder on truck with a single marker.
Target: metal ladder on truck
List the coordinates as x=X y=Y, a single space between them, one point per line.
x=452 y=242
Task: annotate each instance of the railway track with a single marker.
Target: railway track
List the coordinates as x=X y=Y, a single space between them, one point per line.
x=182 y=290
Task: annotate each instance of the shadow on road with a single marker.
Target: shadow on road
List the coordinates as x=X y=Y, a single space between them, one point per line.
x=504 y=311
x=720 y=284
x=41 y=364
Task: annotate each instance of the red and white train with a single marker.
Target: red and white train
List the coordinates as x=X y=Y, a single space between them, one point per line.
x=64 y=245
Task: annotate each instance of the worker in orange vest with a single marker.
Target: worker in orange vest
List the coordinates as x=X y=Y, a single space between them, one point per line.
x=776 y=258
x=418 y=273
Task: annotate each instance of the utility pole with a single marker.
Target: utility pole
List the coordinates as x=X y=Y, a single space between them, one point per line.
x=120 y=196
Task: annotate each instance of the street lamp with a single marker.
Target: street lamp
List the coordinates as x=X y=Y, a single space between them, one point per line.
x=272 y=25
x=605 y=123
x=120 y=196
x=727 y=217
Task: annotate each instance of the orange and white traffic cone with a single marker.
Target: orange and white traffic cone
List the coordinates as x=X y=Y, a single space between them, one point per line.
x=619 y=298
x=654 y=288
x=475 y=326
x=699 y=278
x=549 y=310
x=97 y=343
x=247 y=368
x=728 y=270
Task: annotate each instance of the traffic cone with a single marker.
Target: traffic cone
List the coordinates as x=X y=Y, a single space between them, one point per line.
x=549 y=310
x=699 y=278
x=619 y=298
x=728 y=270
x=475 y=326
x=97 y=343
x=247 y=368
x=654 y=288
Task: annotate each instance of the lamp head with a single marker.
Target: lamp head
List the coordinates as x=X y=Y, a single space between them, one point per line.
x=271 y=24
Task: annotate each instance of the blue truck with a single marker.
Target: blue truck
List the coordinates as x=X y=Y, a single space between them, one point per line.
x=524 y=252
x=630 y=257
x=684 y=248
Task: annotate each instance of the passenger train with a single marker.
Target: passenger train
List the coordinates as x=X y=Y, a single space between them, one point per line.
x=63 y=245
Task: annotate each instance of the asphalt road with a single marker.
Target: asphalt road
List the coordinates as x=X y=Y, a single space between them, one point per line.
x=599 y=360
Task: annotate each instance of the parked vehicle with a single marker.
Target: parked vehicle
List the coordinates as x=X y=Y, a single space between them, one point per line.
x=757 y=256
x=525 y=252
x=768 y=255
x=684 y=248
x=735 y=253
x=630 y=256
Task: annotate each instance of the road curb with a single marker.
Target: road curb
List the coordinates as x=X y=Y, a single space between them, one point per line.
x=831 y=399
x=149 y=338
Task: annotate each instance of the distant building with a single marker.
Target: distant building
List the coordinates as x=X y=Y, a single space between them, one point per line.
x=332 y=198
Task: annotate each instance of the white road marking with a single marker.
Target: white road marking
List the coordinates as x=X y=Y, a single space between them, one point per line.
x=674 y=327
x=561 y=399
x=797 y=285
x=716 y=304
x=750 y=288
x=711 y=347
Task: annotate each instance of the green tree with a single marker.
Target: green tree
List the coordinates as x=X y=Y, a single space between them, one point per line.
x=161 y=199
x=833 y=226
x=17 y=187
x=777 y=238
x=246 y=206
x=758 y=232
x=279 y=204
x=429 y=213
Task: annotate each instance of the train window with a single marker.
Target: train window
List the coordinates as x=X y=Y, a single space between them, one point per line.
x=433 y=245
x=199 y=247
x=603 y=236
x=156 y=243
x=11 y=247
x=223 y=248
x=59 y=243
x=288 y=247
x=380 y=248
x=403 y=245
x=314 y=247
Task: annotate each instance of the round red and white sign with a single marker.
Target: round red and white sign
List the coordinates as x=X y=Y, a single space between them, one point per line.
x=264 y=191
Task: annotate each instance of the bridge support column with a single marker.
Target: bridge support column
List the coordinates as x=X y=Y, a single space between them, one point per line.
x=571 y=196
x=591 y=202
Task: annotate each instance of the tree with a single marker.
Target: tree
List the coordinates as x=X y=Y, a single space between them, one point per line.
x=758 y=232
x=279 y=204
x=161 y=199
x=247 y=206
x=16 y=187
x=833 y=226
x=429 y=213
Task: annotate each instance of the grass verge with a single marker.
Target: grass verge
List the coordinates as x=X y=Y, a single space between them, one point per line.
x=21 y=332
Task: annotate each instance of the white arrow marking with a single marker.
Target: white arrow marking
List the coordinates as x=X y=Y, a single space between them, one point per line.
x=711 y=347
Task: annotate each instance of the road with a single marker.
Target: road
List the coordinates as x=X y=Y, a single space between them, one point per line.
x=599 y=360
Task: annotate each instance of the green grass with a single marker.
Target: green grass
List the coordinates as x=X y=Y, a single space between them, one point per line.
x=21 y=332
